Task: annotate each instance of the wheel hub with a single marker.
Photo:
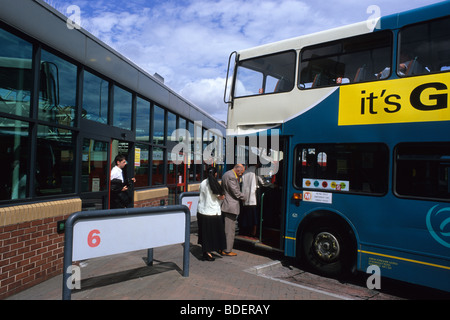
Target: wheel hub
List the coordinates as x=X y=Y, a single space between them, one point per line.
x=326 y=246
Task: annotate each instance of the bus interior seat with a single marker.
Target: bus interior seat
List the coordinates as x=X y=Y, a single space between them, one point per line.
x=283 y=85
x=316 y=81
x=361 y=74
x=415 y=67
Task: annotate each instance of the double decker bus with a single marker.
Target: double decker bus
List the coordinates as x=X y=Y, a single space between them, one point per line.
x=362 y=120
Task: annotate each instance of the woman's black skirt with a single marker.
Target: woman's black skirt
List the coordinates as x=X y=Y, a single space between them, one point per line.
x=211 y=232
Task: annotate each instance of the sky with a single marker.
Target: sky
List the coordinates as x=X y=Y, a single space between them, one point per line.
x=188 y=42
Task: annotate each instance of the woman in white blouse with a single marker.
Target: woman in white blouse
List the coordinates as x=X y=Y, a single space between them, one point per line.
x=211 y=233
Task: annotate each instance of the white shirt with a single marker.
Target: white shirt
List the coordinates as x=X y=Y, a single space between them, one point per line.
x=249 y=185
x=116 y=173
x=208 y=203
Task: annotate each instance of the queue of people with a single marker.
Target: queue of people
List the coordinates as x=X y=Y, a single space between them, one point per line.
x=219 y=207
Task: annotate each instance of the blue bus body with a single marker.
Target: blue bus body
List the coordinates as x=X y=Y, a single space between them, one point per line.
x=395 y=132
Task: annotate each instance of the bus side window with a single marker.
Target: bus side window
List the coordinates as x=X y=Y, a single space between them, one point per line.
x=350 y=60
x=347 y=167
x=424 y=48
x=422 y=170
x=266 y=74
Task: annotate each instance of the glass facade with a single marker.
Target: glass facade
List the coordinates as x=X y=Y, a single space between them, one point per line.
x=15 y=74
x=122 y=108
x=142 y=169
x=95 y=98
x=172 y=178
x=57 y=90
x=61 y=126
x=158 y=125
x=158 y=166
x=13 y=153
x=190 y=162
x=54 y=161
x=143 y=120
x=93 y=163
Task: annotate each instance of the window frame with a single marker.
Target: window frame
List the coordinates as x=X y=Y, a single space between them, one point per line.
x=75 y=108
x=389 y=33
x=399 y=47
x=321 y=147
x=118 y=108
x=396 y=170
x=108 y=97
x=265 y=75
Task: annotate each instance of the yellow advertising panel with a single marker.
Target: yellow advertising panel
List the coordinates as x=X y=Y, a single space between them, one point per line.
x=137 y=157
x=415 y=99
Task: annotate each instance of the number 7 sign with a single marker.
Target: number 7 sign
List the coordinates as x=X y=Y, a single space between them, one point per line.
x=191 y=202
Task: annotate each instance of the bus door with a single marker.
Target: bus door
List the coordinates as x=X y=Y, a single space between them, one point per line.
x=272 y=202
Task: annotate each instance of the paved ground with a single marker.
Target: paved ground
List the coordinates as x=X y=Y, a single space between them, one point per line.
x=254 y=274
x=126 y=276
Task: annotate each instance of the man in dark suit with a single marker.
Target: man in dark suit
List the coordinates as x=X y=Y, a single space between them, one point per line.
x=231 y=204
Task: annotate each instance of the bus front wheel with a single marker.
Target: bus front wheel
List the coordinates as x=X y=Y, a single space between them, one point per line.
x=328 y=248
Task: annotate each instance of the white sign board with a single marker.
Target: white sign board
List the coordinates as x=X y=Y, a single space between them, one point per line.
x=191 y=203
x=105 y=236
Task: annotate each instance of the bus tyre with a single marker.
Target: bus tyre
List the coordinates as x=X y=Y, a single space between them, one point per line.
x=328 y=249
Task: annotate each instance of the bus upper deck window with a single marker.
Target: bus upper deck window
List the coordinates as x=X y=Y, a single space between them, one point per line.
x=351 y=60
x=267 y=74
x=424 y=48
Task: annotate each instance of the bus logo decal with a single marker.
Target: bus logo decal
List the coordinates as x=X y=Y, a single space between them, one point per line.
x=417 y=99
x=438 y=224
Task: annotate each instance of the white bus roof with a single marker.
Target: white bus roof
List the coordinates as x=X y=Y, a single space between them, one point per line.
x=301 y=41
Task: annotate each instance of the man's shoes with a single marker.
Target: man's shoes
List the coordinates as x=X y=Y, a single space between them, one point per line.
x=229 y=254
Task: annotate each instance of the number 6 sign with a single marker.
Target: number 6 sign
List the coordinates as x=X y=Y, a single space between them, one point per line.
x=106 y=232
x=93 y=239
x=100 y=237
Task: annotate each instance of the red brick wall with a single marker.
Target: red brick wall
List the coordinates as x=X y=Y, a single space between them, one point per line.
x=30 y=252
x=156 y=202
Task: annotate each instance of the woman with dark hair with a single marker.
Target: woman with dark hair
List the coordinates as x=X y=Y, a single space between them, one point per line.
x=211 y=233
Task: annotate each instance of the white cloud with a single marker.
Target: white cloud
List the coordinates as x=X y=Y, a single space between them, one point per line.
x=207 y=92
